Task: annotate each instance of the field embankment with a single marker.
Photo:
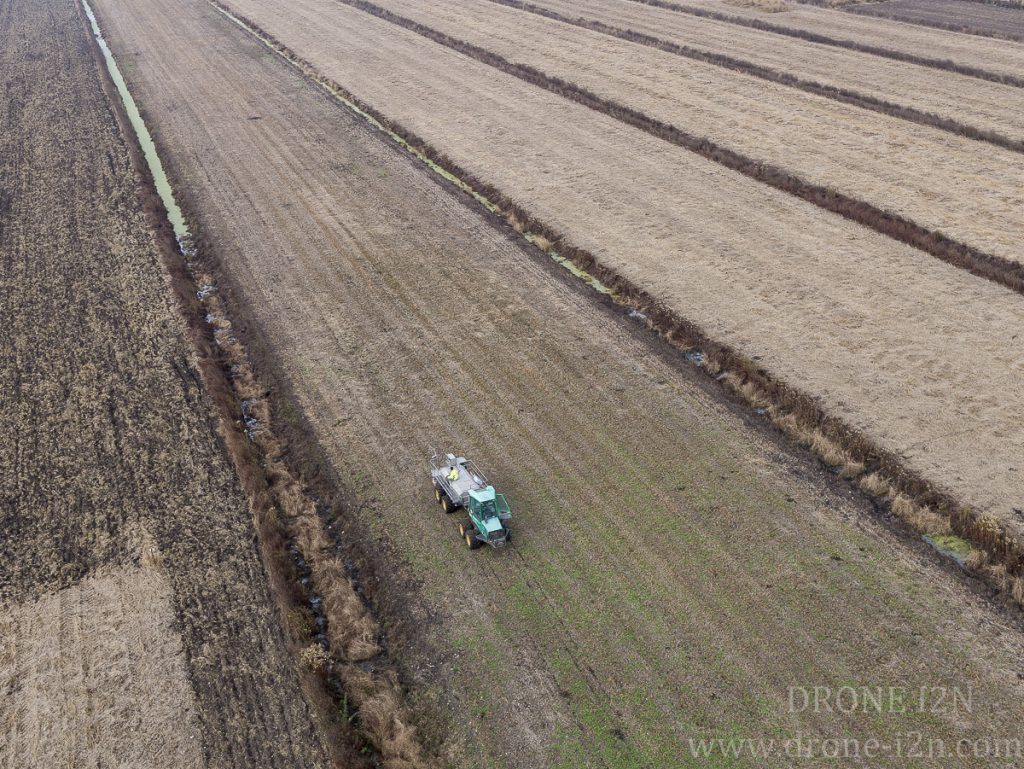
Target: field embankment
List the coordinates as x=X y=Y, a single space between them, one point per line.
x=868 y=168
x=957 y=15
x=110 y=460
x=985 y=58
x=358 y=277
x=949 y=100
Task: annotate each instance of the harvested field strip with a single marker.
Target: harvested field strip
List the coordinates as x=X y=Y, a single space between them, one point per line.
x=825 y=191
x=824 y=26
x=111 y=456
x=372 y=698
x=955 y=15
x=614 y=279
x=355 y=266
x=959 y=104
x=797 y=414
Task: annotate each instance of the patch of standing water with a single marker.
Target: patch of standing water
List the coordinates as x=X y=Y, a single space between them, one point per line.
x=156 y=168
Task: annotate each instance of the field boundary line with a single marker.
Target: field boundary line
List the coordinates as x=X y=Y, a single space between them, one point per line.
x=330 y=630
x=901 y=494
x=948 y=26
x=742 y=66
x=999 y=270
x=947 y=65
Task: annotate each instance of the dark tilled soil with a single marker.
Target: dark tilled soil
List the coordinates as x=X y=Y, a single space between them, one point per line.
x=960 y=15
x=107 y=445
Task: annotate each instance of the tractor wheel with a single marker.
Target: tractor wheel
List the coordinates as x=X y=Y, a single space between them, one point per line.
x=465 y=527
x=508 y=535
x=437 y=494
x=471 y=541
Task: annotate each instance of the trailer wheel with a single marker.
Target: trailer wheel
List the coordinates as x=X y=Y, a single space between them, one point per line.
x=437 y=493
x=446 y=503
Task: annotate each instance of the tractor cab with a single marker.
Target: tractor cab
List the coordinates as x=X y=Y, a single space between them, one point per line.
x=489 y=512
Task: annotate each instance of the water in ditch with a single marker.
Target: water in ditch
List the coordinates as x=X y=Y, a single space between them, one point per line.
x=156 y=168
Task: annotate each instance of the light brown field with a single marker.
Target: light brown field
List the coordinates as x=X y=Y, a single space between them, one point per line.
x=968 y=190
x=917 y=354
x=109 y=447
x=979 y=103
x=1001 y=56
x=95 y=675
x=673 y=570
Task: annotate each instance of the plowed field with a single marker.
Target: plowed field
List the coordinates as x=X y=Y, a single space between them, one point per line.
x=109 y=451
x=674 y=569
x=861 y=322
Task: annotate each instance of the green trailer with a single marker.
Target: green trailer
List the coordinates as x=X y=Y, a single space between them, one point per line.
x=460 y=485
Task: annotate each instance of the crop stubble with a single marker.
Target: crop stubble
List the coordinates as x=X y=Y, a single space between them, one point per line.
x=969 y=191
x=998 y=57
x=958 y=15
x=864 y=324
x=967 y=100
x=399 y=319
x=109 y=450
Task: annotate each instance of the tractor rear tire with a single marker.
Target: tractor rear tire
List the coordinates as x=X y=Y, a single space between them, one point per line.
x=465 y=527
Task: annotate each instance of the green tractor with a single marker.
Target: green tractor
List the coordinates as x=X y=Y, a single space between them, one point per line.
x=458 y=483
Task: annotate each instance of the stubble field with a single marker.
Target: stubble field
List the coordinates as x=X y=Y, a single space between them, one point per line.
x=675 y=569
x=863 y=323
x=679 y=563
x=138 y=626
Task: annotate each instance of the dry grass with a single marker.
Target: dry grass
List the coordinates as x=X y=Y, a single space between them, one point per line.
x=352 y=631
x=768 y=6
x=383 y=717
x=875 y=485
x=542 y=243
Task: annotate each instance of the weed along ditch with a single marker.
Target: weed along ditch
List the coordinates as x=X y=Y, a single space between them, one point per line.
x=334 y=635
x=510 y=385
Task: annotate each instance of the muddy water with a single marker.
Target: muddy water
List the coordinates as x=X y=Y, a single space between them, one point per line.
x=156 y=168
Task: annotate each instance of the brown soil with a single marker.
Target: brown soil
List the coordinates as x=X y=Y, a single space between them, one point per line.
x=976 y=192
x=956 y=15
x=641 y=206
x=395 y=318
x=109 y=449
x=968 y=51
x=984 y=105
x=95 y=674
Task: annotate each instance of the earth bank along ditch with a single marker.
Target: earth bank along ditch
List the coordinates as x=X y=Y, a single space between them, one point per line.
x=995 y=555
x=355 y=693
x=835 y=93
x=852 y=45
x=999 y=270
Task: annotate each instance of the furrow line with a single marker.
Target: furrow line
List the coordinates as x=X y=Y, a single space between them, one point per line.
x=844 y=95
x=332 y=632
x=947 y=65
x=995 y=268
x=881 y=474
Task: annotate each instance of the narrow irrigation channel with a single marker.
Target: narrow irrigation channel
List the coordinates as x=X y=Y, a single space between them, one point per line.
x=343 y=665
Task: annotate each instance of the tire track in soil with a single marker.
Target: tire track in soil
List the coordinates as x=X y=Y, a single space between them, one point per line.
x=998 y=269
